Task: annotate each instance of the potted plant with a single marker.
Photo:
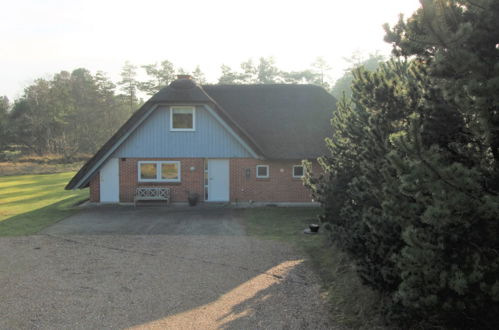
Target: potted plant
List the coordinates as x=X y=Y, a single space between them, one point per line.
x=315 y=225
x=192 y=198
x=314 y=228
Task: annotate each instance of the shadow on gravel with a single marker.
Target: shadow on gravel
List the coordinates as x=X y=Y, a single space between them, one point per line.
x=276 y=299
x=156 y=282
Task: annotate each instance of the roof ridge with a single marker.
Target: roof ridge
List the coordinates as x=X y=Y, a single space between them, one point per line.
x=260 y=85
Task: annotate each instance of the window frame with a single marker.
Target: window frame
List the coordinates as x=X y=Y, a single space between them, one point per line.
x=158 y=170
x=183 y=107
x=293 y=172
x=262 y=177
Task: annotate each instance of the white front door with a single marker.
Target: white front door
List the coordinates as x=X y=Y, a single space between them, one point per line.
x=110 y=181
x=218 y=180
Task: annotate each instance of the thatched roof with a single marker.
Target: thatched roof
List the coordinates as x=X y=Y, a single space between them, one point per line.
x=276 y=121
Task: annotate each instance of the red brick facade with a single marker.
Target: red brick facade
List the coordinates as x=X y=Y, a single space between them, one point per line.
x=191 y=180
x=95 y=188
x=279 y=187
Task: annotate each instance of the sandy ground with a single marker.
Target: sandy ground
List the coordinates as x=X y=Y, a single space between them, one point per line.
x=177 y=281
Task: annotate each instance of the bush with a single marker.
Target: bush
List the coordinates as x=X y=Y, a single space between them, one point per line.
x=408 y=191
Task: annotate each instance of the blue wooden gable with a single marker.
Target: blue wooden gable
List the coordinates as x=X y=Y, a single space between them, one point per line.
x=211 y=139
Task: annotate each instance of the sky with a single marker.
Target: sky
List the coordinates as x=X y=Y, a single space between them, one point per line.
x=41 y=37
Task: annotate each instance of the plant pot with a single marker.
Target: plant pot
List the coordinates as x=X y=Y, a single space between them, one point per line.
x=192 y=201
x=314 y=228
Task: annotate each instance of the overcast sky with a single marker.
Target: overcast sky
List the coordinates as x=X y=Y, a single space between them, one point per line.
x=41 y=37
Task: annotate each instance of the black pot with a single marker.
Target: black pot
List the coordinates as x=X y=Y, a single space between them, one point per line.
x=192 y=201
x=313 y=227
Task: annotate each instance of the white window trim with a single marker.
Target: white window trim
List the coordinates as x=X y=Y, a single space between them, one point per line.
x=293 y=172
x=260 y=176
x=193 y=118
x=158 y=170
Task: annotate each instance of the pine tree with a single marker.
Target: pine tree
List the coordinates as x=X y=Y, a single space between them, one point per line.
x=4 y=122
x=410 y=183
x=160 y=76
x=129 y=85
x=459 y=42
x=228 y=76
x=198 y=75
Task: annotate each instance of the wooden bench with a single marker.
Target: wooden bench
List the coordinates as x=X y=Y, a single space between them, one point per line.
x=152 y=194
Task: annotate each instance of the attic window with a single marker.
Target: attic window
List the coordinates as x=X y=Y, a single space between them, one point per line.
x=182 y=118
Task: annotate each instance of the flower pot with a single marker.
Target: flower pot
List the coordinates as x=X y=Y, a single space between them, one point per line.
x=192 y=198
x=314 y=228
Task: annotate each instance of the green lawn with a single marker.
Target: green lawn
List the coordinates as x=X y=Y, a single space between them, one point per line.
x=282 y=223
x=351 y=304
x=29 y=203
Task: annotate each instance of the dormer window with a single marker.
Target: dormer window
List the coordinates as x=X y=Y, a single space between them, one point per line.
x=182 y=118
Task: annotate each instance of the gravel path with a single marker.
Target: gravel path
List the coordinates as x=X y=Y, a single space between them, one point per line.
x=156 y=282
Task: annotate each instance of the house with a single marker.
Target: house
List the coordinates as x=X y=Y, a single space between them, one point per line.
x=228 y=143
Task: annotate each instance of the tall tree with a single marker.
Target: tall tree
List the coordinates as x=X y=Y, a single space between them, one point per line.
x=343 y=86
x=250 y=72
x=160 y=76
x=198 y=75
x=72 y=112
x=321 y=69
x=33 y=118
x=410 y=184
x=228 y=76
x=129 y=84
x=459 y=41
x=112 y=111
x=4 y=122
x=267 y=72
x=301 y=77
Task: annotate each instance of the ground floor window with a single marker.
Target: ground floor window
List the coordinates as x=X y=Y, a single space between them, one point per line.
x=298 y=171
x=262 y=171
x=159 y=171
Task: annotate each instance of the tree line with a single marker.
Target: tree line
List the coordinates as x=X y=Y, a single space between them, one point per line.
x=411 y=181
x=76 y=112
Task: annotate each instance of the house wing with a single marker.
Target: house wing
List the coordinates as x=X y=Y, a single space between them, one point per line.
x=286 y=121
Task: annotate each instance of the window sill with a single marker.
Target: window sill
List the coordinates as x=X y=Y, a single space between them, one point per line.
x=175 y=183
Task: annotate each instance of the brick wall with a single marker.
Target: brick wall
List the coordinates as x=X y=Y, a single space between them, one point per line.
x=192 y=181
x=95 y=188
x=279 y=187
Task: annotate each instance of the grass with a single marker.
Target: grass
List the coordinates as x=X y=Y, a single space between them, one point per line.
x=26 y=167
x=32 y=202
x=351 y=304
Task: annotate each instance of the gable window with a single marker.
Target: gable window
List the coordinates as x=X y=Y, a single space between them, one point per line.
x=182 y=118
x=167 y=171
x=262 y=171
x=298 y=171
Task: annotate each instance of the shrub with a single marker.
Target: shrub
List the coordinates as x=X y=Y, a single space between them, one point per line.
x=410 y=186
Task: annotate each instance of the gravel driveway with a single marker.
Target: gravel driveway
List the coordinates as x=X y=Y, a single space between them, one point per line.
x=183 y=275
